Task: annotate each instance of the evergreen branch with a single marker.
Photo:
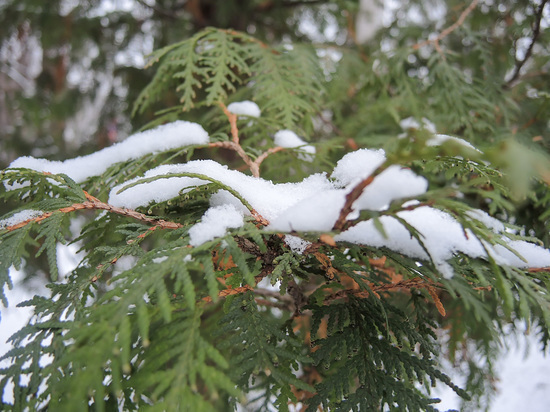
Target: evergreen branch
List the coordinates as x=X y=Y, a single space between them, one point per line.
x=355 y=193
x=95 y=204
x=448 y=30
x=536 y=32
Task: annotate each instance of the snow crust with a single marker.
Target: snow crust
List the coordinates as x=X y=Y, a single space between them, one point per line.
x=166 y=137
x=246 y=108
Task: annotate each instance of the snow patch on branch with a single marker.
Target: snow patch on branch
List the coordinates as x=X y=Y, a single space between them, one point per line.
x=215 y=223
x=20 y=217
x=162 y=138
x=245 y=108
x=314 y=205
x=289 y=139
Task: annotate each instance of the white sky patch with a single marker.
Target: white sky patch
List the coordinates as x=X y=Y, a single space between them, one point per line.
x=245 y=108
x=289 y=139
x=214 y=224
x=20 y=217
x=162 y=138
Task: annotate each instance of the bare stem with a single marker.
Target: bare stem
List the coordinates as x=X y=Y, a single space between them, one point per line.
x=534 y=37
x=94 y=203
x=352 y=196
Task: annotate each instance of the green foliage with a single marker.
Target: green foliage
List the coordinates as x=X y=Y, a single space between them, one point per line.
x=147 y=321
x=213 y=63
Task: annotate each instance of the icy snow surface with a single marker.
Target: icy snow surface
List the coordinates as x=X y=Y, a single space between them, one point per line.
x=162 y=138
x=246 y=108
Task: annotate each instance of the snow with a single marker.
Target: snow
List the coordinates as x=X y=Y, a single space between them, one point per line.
x=289 y=139
x=412 y=123
x=162 y=138
x=393 y=183
x=267 y=198
x=214 y=224
x=19 y=217
x=441 y=235
x=316 y=213
x=523 y=381
x=358 y=165
x=523 y=377
x=246 y=108
x=159 y=190
x=314 y=205
x=439 y=139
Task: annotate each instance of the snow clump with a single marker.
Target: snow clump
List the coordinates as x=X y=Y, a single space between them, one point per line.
x=245 y=108
x=162 y=138
x=289 y=139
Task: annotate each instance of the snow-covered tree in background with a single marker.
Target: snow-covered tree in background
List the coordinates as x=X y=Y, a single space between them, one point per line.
x=298 y=226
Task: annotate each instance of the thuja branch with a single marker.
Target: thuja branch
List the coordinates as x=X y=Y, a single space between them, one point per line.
x=435 y=41
x=95 y=204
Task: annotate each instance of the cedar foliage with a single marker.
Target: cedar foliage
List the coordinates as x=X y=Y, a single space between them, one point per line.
x=350 y=327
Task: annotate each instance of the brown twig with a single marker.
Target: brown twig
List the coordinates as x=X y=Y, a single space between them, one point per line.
x=234 y=144
x=536 y=33
x=448 y=30
x=416 y=282
x=256 y=164
x=352 y=196
x=95 y=204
